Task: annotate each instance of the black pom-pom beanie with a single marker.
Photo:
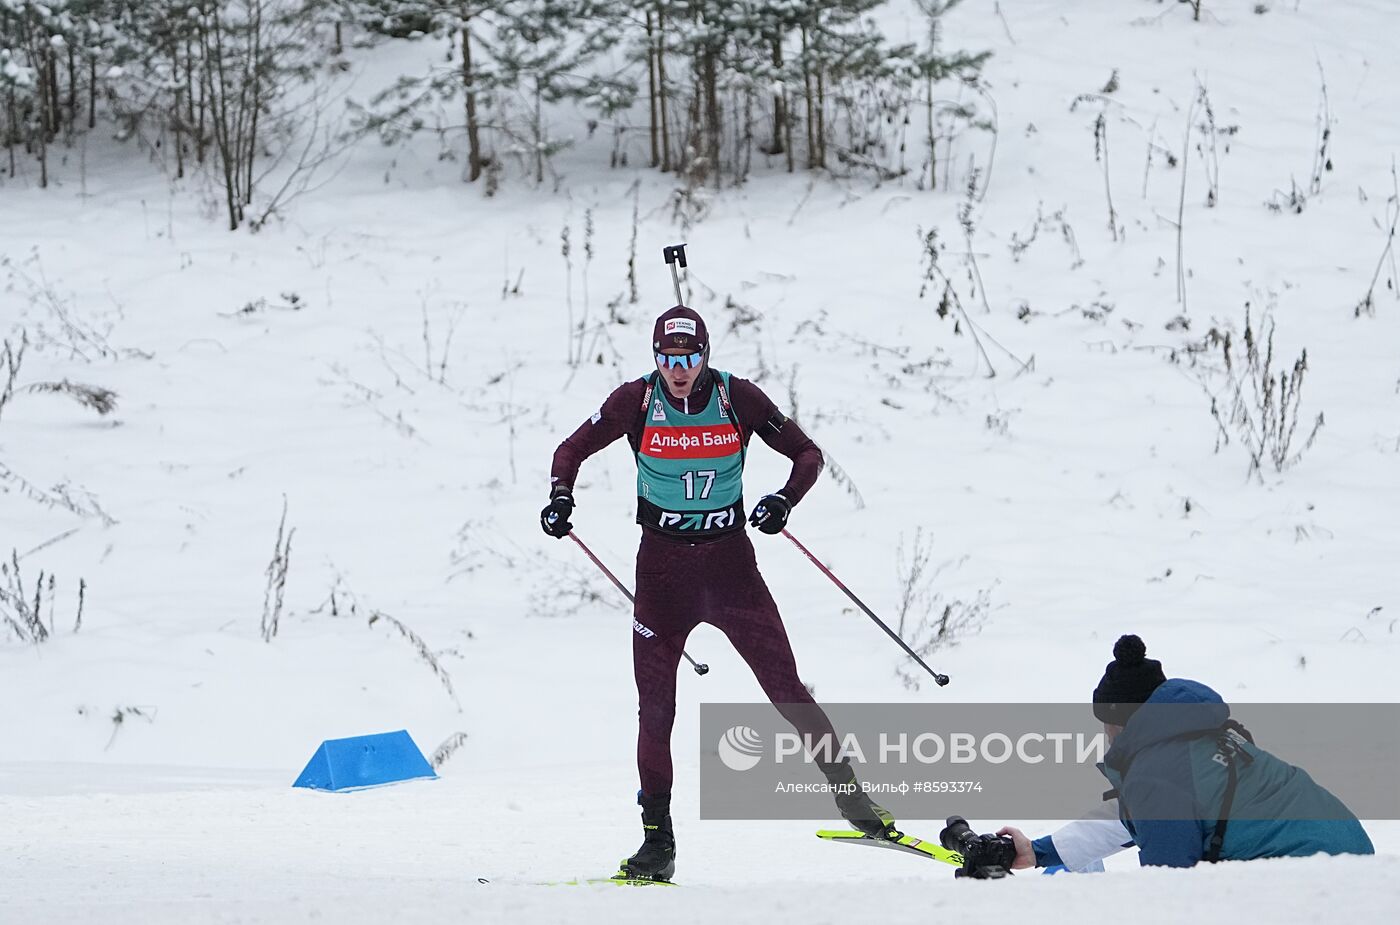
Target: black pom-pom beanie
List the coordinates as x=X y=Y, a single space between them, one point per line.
x=1127 y=681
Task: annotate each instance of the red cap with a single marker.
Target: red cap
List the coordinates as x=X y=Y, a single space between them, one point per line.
x=680 y=327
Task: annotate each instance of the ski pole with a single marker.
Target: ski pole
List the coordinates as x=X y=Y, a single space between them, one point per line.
x=700 y=667
x=940 y=679
x=675 y=254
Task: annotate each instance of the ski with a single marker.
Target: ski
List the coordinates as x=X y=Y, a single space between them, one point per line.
x=618 y=879
x=905 y=843
x=622 y=879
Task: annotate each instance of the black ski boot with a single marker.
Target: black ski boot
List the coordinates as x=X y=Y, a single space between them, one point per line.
x=856 y=807
x=656 y=859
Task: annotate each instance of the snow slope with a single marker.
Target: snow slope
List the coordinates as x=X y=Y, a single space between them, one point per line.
x=1085 y=496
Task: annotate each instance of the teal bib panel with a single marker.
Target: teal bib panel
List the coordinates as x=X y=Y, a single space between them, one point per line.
x=690 y=467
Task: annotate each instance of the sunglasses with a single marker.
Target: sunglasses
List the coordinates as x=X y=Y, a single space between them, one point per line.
x=684 y=361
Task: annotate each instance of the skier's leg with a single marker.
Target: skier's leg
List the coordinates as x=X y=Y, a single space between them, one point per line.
x=655 y=659
x=659 y=630
x=746 y=613
x=750 y=619
x=661 y=624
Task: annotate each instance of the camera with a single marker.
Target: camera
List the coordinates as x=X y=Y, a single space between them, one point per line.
x=985 y=857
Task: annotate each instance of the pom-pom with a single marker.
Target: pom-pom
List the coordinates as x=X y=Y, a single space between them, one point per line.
x=1129 y=650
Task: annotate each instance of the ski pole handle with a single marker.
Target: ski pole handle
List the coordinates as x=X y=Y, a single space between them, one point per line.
x=940 y=679
x=674 y=254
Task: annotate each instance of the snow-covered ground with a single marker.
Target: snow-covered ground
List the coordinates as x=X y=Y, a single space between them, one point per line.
x=247 y=850
x=1084 y=496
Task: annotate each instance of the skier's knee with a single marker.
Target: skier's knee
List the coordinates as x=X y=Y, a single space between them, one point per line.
x=656 y=718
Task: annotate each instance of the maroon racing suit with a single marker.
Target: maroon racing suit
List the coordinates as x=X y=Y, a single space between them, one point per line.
x=683 y=582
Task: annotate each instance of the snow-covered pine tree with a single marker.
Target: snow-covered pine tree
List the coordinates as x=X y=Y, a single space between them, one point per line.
x=209 y=82
x=17 y=85
x=91 y=42
x=183 y=78
x=932 y=65
x=776 y=23
x=248 y=54
x=473 y=29
x=155 y=83
x=545 y=50
x=815 y=69
x=848 y=69
x=32 y=42
x=514 y=59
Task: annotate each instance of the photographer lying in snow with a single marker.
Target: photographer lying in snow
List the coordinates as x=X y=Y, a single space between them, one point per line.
x=1190 y=783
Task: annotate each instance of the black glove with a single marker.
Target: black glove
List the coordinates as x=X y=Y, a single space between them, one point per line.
x=554 y=519
x=771 y=514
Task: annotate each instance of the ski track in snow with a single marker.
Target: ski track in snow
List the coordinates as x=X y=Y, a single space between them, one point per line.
x=1063 y=492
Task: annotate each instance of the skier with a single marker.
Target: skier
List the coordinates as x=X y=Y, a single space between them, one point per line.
x=1173 y=750
x=689 y=428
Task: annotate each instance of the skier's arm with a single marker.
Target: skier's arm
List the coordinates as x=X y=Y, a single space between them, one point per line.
x=618 y=417
x=758 y=415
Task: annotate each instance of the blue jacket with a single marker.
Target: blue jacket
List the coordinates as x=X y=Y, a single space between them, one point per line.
x=1171 y=782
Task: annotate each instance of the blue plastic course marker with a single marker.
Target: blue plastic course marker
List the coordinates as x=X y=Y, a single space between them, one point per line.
x=365 y=761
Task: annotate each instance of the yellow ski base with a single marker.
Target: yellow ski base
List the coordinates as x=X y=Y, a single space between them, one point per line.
x=633 y=881
x=613 y=881
x=905 y=843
